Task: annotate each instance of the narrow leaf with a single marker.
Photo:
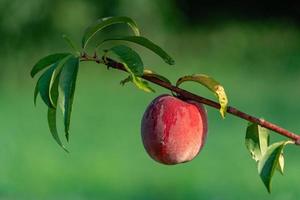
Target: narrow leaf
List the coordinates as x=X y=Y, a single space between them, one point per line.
x=53 y=90
x=104 y=22
x=71 y=44
x=36 y=92
x=53 y=86
x=43 y=85
x=257 y=140
x=141 y=84
x=150 y=73
x=280 y=166
x=46 y=61
x=67 y=84
x=269 y=162
x=53 y=128
x=130 y=57
x=137 y=81
x=212 y=85
x=147 y=44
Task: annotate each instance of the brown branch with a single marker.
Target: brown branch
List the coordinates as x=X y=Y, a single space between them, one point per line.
x=188 y=95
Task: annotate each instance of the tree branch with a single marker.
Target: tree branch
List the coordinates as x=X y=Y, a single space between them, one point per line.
x=188 y=95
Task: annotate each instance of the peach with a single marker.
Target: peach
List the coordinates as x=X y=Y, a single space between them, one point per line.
x=173 y=131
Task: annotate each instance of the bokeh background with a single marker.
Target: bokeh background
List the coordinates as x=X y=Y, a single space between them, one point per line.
x=251 y=48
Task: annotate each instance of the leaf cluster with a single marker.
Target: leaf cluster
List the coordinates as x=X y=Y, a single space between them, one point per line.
x=269 y=157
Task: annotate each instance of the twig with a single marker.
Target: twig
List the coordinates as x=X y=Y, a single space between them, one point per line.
x=188 y=95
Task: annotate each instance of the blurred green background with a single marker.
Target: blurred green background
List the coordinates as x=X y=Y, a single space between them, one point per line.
x=252 y=51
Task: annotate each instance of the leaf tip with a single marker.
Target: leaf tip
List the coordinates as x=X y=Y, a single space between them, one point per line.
x=67 y=135
x=267 y=184
x=223 y=113
x=65 y=149
x=171 y=61
x=31 y=74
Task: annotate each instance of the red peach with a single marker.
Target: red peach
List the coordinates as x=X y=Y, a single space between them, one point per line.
x=173 y=130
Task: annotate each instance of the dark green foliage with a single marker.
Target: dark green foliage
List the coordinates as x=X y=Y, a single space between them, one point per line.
x=46 y=61
x=56 y=86
x=270 y=161
x=147 y=44
x=53 y=128
x=104 y=22
x=43 y=85
x=130 y=57
x=67 y=84
x=268 y=158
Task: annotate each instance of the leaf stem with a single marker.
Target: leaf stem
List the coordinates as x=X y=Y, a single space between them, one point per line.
x=188 y=95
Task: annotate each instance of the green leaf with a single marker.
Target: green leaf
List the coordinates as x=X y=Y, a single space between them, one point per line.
x=147 y=44
x=36 y=92
x=133 y=65
x=141 y=84
x=126 y=80
x=269 y=161
x=280 y=166
x=149 y=73
x=53 y=86
x=67 y=84
x=130 y=57
x=43 y=86
x=46 y=61
x=257 y=140
x=71 y=44
x=53 y=90
x=212 y=85
x=104 y=22
x=137 y=81
x=53 y=128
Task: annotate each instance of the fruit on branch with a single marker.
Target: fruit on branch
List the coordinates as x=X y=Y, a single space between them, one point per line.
x=173 y=131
